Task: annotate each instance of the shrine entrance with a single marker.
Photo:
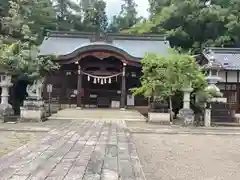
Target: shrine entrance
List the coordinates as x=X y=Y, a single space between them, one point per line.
x=101 y=81
x=98 y=69
x=95 y=79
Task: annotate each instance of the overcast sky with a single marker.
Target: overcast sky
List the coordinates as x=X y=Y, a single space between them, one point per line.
x=114 y=6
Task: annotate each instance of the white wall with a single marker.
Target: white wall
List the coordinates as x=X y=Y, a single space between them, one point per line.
x=222 y=75
x=231 y=76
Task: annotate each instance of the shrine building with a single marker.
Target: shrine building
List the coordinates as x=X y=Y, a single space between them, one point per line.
x=229 y=58
x=98 y=70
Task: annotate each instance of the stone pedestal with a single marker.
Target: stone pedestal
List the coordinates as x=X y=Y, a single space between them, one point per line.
x=33 y=110
x=207 y=118
x=162 y=118
x=6 y=109
x=187 y=114
x=186 y=97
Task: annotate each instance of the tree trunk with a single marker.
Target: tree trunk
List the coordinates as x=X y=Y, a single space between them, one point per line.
x=170 y=108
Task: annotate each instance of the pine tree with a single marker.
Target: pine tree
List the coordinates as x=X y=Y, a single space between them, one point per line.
x=126 y=19
x=18 y=44
x=68 y=15
x=94 y=15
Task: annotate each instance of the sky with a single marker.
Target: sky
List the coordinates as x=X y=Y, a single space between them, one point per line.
x=114 y=7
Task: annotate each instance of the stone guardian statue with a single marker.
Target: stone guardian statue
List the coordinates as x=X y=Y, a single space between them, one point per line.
x=35 y=90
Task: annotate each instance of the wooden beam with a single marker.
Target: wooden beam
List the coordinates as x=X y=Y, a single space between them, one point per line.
x=79 y=88
x=123 y=91
x=226 y=76
x=237 y=76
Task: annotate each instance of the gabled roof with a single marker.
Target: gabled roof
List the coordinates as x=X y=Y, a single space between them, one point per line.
x=65 y=43
x=229 y=58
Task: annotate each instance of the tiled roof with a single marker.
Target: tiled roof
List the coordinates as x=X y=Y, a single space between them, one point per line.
x=228 y=57
x=58 y=43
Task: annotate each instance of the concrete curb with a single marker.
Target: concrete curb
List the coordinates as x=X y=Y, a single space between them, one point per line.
x=204 y=132
x=93 y=119
x=25 y=129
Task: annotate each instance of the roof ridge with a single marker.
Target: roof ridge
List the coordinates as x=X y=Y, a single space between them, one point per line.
x=228 y=57
x=223 y=49
x=114 y=35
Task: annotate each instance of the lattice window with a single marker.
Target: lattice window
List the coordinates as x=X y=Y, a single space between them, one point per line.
x=221 y=86
x=234 y=87
x=232 y=97
x=228 y=87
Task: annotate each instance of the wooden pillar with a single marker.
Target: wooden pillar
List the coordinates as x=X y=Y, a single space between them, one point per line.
x=63 y=89
x=79 y=88
x=238 y=93
x=123 y=91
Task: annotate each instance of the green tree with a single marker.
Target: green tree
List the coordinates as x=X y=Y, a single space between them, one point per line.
x=41 y=16
x=127 y=17
x=100 y=19
x=189 y=24
x=233 y=22
x=38 y=15
x=164 y=76
x=114 y=25
x=94 y=15
x=18 y=49
x=3 y=12
x=69 y=15
x=4 y=5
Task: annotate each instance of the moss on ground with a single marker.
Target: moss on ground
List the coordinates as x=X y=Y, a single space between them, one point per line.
x=11 y=140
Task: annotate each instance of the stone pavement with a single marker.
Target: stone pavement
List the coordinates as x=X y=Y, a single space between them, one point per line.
x=100 y=114
x=79 y=150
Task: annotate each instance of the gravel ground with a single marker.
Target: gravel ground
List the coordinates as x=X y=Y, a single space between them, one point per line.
x=15 y=135
x=189 y=157
x=10 y=140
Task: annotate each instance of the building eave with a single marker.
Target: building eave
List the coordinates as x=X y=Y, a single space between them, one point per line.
x=119 y=36
x=232 y=52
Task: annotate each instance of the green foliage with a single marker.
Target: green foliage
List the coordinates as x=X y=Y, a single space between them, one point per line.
x=37 y=15
x=164 y=76
x=23 y=25
x=99 y=16
x=18 y=49
x=94 y=15
x=69 y=15
x=23 y=59
x=194 y=24
x=126 y=19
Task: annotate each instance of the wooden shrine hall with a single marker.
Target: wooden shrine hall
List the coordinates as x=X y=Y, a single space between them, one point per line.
x=98 y=70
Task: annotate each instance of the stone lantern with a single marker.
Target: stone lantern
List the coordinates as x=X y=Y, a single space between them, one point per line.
x=212 y=67
x=6 y=109
x=186 y=113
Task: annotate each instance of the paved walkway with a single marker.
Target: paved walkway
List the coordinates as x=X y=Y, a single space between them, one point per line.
x=80 y=150
x=100 y=114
